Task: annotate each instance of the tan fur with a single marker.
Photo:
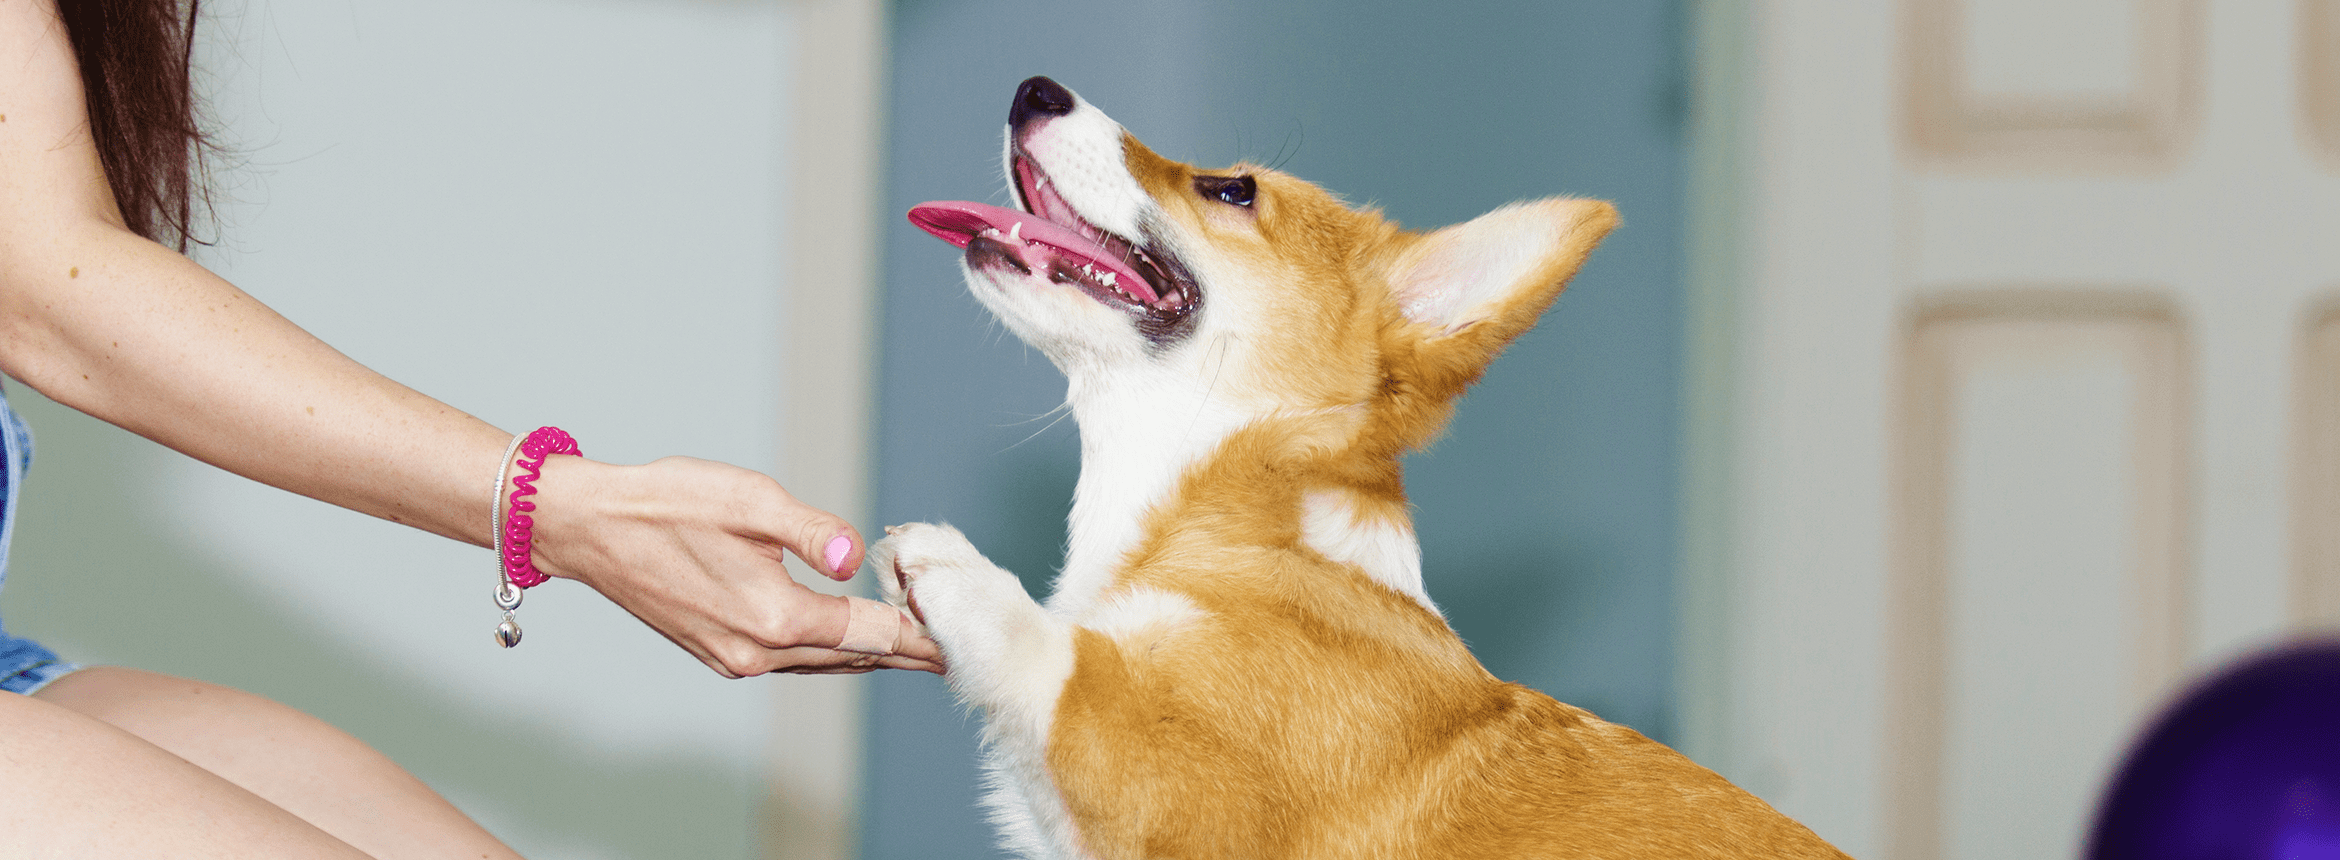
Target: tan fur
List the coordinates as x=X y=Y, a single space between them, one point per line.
x=1307 y=710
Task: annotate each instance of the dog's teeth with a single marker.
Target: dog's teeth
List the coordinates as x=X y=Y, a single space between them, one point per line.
x=1016 y=232
x=1109 y=278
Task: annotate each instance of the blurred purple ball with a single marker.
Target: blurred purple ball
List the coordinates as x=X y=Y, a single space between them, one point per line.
x=2245 y=767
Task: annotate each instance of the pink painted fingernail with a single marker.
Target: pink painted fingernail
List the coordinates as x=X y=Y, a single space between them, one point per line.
x=838 y=547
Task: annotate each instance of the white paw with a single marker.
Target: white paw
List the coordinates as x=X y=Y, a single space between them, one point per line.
x=990 y=630
x=929 y=568
x=887 y=558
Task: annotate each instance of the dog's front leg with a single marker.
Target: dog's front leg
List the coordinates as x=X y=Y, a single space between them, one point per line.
x=1004 y=652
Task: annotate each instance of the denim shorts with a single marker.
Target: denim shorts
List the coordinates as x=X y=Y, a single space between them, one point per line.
x=25 y=666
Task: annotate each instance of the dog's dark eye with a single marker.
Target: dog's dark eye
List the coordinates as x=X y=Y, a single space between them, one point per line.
x=1237 y=190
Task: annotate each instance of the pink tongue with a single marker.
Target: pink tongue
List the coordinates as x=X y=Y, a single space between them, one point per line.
x=959 y=222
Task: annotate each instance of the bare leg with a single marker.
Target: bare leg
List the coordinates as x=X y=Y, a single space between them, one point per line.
x=297 y=763
x=77 y=787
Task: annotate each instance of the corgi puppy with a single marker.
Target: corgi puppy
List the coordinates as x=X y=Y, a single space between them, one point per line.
x=1239 y=659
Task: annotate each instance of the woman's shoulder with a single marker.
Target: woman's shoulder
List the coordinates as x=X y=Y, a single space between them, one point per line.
x=48 y=160
x=42 y=77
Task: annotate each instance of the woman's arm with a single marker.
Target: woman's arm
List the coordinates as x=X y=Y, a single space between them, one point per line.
x=122 y=328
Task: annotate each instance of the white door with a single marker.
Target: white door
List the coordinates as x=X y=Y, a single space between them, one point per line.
x=2021 y=399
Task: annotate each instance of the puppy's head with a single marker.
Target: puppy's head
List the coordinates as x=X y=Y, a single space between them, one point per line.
x=1245 y=289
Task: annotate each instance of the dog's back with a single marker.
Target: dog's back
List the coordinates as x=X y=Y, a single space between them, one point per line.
x=1296 y=707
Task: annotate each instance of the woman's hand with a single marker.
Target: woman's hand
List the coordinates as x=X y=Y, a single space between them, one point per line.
x=694 y=549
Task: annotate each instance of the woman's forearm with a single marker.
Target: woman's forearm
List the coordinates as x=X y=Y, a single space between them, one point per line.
x=132 y=333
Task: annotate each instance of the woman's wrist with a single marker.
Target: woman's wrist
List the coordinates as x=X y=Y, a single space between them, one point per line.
x=568 y=502
x=515 y=535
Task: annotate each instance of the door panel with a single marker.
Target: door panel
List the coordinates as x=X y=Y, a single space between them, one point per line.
x=2035 y=606
x=2070 y=85
x=2319 y=75
x=2316 y=519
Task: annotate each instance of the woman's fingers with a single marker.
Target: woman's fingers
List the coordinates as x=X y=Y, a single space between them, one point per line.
x=791 y=628
x=693 y=548
x=823 y=661
x=824 y=540
x=867 y=630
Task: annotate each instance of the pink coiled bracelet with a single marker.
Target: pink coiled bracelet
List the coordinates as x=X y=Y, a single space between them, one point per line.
x=514 y=534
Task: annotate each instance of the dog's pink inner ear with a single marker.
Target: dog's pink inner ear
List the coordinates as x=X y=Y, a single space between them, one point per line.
x=1465 y=273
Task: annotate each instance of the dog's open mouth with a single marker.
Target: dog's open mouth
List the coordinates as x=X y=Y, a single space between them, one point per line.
x=1053 y=241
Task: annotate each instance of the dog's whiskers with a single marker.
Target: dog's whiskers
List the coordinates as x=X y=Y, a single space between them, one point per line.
x=1055 y=411
x=1061 y=410
x=1218 y=365
x=1290 y=147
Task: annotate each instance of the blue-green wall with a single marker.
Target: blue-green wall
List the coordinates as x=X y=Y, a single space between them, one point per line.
x=1547 y=516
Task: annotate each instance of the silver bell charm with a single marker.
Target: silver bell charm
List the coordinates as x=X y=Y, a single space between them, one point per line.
x=507 y=599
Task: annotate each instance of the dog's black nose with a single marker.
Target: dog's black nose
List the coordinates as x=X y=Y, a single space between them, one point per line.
x=1039 y=97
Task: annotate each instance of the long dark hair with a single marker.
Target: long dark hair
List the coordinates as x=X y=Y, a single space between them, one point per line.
x=136 y=58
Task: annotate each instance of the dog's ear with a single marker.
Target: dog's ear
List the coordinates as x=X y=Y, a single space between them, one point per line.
x=1464 y=292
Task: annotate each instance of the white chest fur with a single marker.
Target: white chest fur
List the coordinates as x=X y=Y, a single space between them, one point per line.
x=1332 y=523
